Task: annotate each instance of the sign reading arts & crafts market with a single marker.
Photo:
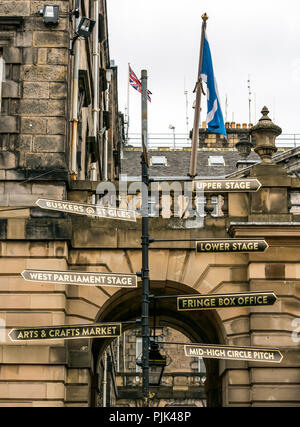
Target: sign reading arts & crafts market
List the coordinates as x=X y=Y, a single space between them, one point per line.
x=205 y=302
x=253 y=354
x=99 y=330
x=231 y=245
x=86 y=209
x=81 y=278
x=227 y=185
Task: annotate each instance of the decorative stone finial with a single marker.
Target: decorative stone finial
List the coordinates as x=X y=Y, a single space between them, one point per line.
x=265 y=133
x=244 y=146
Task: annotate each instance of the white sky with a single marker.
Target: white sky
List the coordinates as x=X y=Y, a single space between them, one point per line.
x=256 y=39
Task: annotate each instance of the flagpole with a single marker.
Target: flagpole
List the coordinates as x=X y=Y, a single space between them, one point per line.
x=198 y=89
x=127 y=118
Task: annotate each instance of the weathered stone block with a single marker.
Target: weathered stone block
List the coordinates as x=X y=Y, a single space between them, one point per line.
x=51 y=39
x=42 y=161
x=49 y=143
x=29 y=55
x=38 y=107
x=10 y=89
x=3 y=227
x=58 y=56
x=8 y=124
x=35 y=90
x=55 y=191
x=23 y=38
x=15 y=8
x=56 y=126
x=33 y=125
x=42 y=56
x=58 y=90
x=15 y=228
x=40 y=73
x=8 y=160
x=12 y=55
x=24 y=142
x=43 y=228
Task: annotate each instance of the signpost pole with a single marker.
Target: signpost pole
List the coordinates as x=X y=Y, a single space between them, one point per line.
x=145 y=246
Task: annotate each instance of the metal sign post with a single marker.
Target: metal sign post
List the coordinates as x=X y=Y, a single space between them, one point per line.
x=145 y=246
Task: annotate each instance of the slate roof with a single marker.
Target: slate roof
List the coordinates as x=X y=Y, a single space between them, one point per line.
x=178 y=162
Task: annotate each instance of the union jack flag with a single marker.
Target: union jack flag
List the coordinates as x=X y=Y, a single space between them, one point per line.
x=136 y=84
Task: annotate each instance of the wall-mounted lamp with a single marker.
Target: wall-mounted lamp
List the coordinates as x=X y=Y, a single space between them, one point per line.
x=84 y=30
x=50 y=14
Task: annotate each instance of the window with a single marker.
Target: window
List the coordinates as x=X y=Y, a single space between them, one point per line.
x=216 y=161
x=158 y=161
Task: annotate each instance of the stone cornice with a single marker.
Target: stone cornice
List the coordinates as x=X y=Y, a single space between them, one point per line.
x=264 y=229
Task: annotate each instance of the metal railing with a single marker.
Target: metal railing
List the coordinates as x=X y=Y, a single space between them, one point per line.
x=182 y=140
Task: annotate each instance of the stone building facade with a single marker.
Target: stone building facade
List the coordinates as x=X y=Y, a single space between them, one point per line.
x=36 y=128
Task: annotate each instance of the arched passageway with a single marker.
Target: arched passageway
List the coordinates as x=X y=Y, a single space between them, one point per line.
x=198 y=326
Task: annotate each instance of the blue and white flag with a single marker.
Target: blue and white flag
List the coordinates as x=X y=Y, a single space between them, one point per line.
x=214 y=119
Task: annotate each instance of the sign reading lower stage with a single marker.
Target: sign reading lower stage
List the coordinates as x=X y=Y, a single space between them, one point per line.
x=99 y=330
x=253 y=354
x=231 y=245
x=81 y=278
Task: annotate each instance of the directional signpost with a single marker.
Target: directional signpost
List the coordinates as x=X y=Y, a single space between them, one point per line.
x=86 y=209
x=231 y=245
x=227 y=185
x=99 y=330
x=205 y=302
x=253 y=354
x=81 y=278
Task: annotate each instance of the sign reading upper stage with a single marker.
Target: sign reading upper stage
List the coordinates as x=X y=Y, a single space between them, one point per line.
x=86 y=209
x=227 y=185
x=231 y=245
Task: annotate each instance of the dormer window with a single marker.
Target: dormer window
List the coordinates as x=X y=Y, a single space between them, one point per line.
x=158 y=161
x=216 y=161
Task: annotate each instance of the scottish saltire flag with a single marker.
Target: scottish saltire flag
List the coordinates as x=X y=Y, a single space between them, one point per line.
x=136 y=84
x=214 y=119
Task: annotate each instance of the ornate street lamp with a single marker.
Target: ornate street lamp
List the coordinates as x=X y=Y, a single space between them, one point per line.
x=157 y=364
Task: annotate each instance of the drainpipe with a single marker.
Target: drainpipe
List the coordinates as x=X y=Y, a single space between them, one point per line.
x=96 y=82
x=75 y=108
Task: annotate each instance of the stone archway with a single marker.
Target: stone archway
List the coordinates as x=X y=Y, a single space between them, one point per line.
x=200 y=326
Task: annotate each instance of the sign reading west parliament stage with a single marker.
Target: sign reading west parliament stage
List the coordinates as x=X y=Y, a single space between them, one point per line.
x=231 y=245
x=86 y=209
x=253 y=354
x=99 y=330
x=205 y=302
x=81 y=278
x=227 y=185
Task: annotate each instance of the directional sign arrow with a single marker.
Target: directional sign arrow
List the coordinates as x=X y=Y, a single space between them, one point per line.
x=81 y=278
x=98 y=330
x=231 y=245
x=227 y=185
x=86 y=209
x=242 y=299
x=253 y=354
